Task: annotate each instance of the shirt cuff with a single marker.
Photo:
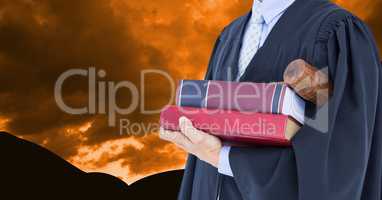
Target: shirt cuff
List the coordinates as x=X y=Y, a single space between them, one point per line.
x=224 y=167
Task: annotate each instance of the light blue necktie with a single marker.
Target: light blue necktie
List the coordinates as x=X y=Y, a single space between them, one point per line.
x=251 y=40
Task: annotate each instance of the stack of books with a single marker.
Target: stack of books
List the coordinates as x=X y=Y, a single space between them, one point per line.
x=238 y=112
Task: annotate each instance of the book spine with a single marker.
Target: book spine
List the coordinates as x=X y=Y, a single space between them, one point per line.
x=248 y=97
x=231 y=126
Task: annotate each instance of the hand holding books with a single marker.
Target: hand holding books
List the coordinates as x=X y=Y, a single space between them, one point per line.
x=203 y=145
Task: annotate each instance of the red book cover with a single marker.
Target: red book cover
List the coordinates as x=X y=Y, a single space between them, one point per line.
x=233 y=126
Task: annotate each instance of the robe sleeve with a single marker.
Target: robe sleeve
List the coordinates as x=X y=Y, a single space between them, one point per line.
x=334 y=154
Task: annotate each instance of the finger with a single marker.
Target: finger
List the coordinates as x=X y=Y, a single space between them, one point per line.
x=194 y=135
x=177 y=138
x=166 y=134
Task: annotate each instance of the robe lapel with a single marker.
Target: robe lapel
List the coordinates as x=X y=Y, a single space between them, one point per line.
x=228 y=67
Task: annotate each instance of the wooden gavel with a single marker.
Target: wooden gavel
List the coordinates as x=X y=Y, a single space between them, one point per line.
x=307 y=81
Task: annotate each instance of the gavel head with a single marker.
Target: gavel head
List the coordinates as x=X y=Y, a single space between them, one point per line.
x=294 y=72
x=310 y=83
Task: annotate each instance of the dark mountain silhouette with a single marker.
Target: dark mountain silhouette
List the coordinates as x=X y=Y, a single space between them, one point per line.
x=161 y=186
x=28 y=171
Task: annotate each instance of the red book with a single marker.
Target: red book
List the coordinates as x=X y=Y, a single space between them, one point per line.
x=233 y=126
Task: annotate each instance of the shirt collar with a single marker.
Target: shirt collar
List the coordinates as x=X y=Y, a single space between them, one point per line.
x=271 y=8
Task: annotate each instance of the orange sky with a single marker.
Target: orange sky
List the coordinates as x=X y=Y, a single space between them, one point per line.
x=40 y=39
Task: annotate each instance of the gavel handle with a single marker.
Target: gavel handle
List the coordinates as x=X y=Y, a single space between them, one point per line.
x=307 y=81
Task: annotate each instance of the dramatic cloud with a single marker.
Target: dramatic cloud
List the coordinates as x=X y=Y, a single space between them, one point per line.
x=41 y=39
x=129 y=158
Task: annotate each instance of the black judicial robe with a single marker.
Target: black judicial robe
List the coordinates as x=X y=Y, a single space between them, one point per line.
x=343 y=163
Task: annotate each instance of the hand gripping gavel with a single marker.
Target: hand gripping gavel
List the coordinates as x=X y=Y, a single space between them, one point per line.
x=307 y=81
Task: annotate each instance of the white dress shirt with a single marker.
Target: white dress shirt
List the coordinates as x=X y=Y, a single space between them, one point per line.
x=271 y=11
